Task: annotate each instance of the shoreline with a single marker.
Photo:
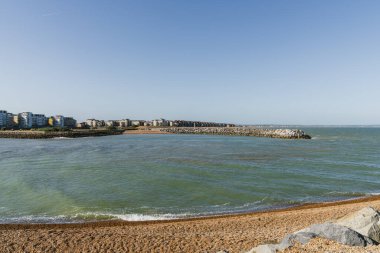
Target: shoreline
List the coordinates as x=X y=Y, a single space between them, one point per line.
x=36 y=134
x=111 y=223
x=224 y=131
x=232 y=233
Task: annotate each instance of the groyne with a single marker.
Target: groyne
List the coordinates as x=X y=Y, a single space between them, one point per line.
x=240 y=131
x=30 y=134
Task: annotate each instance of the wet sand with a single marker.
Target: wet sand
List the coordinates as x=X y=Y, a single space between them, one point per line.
x=235 y=233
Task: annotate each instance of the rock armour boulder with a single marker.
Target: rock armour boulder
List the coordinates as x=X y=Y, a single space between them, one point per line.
x=240 y=131
x=366 y=222
x=357 y=229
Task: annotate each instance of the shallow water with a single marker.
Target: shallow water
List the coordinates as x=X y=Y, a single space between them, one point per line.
x=143 y=177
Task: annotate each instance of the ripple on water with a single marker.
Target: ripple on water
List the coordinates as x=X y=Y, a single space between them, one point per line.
x=171 y=176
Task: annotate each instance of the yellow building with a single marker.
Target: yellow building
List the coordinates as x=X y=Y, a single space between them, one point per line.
x=51 y=121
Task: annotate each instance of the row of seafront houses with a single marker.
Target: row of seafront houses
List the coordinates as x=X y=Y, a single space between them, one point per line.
x=28 y=120
x=94 y=123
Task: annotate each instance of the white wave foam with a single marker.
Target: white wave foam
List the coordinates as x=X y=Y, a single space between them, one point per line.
x=130 y=217
x=144 y=217
x=62 y=138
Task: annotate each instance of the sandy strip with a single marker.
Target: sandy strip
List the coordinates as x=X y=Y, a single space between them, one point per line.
x=144 y=132
x=234 y=233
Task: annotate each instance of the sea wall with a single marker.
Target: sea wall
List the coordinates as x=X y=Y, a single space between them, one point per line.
x=29 y=134
x=240 y=131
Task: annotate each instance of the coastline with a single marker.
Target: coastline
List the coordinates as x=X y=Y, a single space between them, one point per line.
x=102 y=223
x=234 y=233
x=226 y=131
x=31 y=134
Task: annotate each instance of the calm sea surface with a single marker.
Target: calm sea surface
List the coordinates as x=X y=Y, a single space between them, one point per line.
x=142 y=177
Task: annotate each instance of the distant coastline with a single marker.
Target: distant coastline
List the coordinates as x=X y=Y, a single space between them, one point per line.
x=227 y=131
x=31 y=134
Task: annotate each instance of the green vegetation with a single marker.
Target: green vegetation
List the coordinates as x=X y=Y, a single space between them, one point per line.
x=53 y=129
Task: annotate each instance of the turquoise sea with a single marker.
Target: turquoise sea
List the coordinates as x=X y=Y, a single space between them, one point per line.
x=145 y=177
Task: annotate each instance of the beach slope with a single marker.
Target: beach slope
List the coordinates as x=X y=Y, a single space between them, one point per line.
x=235 y=233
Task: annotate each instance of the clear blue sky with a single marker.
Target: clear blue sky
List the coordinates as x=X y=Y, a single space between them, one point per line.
x=285 y=62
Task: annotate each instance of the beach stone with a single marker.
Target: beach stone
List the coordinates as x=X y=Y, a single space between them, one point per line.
x=365 y=221
x=265 y=248
x=340 y=234
x=287 y=242
x=328 y=230
x=290 y=240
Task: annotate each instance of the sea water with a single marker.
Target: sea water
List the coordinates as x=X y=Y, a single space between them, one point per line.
x=154 y=177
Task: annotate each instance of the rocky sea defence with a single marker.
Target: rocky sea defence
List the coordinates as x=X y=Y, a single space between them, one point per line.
x=240 y=131
x=31 y=134
x=360 y=229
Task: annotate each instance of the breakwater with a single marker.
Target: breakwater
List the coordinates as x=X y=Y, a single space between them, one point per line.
x=29 y=134
x=240 y=131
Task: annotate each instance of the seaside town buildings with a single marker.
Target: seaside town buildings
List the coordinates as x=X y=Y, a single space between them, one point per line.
x=160 y=122
x=28 y=120
x=94 y=123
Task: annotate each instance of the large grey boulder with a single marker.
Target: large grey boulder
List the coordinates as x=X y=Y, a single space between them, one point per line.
x=361 y=228
x=365 y=221
x=340 y=234
x=301 y=237
x=331 y=231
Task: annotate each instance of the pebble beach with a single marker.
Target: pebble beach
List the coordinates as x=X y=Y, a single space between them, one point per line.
x=236 y=233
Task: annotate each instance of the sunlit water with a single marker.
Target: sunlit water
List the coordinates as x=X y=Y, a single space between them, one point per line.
x=142 y=177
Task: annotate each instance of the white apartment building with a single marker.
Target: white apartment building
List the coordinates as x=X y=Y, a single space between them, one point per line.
x=91 y=122
x=111 y=123
x=137 y=122
x=124 y=123
x=94 y=123
x=26 y=120
x=160 y=122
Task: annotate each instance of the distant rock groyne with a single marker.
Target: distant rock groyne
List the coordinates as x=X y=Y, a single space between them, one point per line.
x=28 y=134
x=240 y=131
